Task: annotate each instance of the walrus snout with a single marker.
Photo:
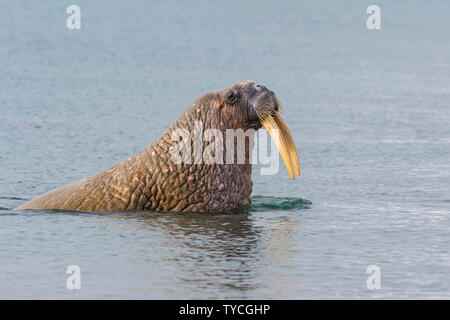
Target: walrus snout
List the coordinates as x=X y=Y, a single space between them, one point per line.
x=267 y=108
x=261 y=102
x=266 y=104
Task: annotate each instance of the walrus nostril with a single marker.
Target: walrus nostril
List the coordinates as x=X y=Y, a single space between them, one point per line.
x=260 y=87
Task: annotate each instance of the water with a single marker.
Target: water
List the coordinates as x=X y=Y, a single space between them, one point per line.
x=369 y=111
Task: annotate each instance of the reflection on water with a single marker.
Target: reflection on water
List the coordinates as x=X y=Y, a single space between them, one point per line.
x=206 y=249
x=218 y=251
x=281 y=239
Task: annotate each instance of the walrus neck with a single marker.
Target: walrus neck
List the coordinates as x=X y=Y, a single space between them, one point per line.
x=193 y=186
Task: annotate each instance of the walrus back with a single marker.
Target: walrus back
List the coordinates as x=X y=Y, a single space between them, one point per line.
x=60 y=198
x=97 y=193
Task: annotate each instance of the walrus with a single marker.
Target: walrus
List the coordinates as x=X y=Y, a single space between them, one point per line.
x=152 y=181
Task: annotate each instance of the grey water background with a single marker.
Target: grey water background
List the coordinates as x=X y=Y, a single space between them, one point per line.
x=369 y=111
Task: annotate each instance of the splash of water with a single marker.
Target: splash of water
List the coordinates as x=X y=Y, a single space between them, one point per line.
x=271 y=203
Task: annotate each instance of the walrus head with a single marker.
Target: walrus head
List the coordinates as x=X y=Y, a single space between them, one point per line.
x=251 y=105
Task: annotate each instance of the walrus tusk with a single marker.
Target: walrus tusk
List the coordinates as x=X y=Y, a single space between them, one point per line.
x=290 y=141
x=283 y=140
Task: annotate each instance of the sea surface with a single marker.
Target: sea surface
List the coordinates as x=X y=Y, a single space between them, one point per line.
x=368 y=109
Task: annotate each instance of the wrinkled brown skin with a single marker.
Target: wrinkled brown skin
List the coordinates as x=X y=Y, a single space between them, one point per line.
x=151 y=181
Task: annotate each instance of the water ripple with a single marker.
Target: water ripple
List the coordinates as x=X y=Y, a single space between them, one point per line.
x=12 y=198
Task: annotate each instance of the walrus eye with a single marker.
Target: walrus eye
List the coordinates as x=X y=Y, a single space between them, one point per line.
x=230 y=96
